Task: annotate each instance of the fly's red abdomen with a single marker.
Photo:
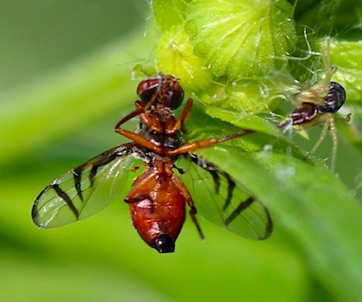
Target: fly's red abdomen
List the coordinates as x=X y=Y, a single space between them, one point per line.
x=157 y=209
x=159 y=223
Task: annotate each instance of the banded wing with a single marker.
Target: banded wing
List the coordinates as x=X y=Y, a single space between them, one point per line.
x=85 y=190
x=223 y=201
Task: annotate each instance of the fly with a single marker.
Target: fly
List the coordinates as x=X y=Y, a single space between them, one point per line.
x=166 y=176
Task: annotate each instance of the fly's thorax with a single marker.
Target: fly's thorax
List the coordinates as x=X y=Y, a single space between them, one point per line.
x=170 y=140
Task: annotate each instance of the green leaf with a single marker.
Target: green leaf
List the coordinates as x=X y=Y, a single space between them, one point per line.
x=326 y=17
x=245 y=121
x=312 y=205
x=347 y=56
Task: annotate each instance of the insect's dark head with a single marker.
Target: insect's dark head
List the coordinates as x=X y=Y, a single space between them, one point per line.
x=165 y=244
x=334 y=100
x=161 y=89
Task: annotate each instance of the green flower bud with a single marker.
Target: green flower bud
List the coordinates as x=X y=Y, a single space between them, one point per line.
x=175 y=55
x=240 y=39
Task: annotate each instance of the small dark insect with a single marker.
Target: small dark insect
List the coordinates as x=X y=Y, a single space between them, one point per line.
x=166 y=174
x=317 y=105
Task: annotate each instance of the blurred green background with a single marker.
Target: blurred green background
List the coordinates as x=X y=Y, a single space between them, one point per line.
x=65 y=81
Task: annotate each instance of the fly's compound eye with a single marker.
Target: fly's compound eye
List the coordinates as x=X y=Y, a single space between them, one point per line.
x=171 y=94
x=148 y=89
x=161 y=89
x=334 y=100
x=165 y=244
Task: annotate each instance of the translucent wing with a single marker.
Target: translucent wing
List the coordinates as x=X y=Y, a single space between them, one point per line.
x=223 y=201
x=86 y=189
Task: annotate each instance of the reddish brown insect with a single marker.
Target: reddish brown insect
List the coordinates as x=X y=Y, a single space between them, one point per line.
x=162 y=164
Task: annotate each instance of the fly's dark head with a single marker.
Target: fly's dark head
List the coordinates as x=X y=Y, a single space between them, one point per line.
x=163 y=90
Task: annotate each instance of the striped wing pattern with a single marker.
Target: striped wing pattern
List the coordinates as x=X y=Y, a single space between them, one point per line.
x=87 y=189
x=223 y=201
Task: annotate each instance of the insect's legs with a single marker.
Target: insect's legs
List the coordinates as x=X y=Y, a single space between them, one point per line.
x=140 y=108
x=189 y=147
x=327 y=125
x=155 y=125
x=141 y=140
x=128 y=117
x=333 y=129
x=185 y=114
x=194 y=219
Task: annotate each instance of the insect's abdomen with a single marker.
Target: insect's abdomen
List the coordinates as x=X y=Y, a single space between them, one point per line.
x=154 y=220
x=334 y=100
x=157 y=211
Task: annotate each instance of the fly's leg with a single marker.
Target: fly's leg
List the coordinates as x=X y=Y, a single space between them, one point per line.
x=189 y=147
x=141 y=140
x=138 y=111
x=135 y=137
x=194 y=219
x=151 y=123
x=185 y=192
x=171 y=126
x=185 y=114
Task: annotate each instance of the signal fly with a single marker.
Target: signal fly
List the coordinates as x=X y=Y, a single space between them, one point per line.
x=167 y=176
